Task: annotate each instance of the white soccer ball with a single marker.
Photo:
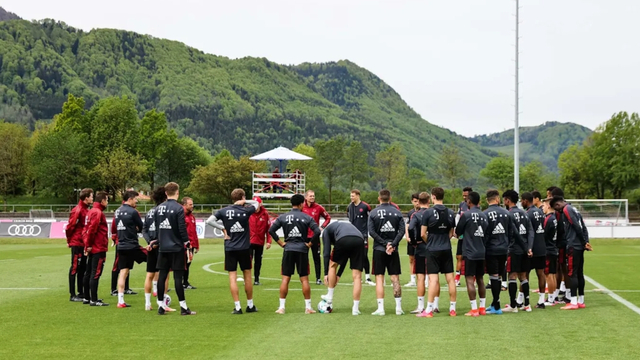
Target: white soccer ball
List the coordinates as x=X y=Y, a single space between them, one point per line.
x=240 y=279
x=324 y=307
x=167 y=300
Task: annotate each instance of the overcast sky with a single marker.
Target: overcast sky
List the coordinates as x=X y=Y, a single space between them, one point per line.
x=451 y=61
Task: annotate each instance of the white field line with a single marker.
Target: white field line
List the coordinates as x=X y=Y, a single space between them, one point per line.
x=617 y=297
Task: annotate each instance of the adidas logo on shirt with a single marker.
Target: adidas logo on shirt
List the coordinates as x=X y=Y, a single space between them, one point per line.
x=387 y=227
x=236 y=228
x=540 y=230
x=499 y=229
x=479 y=232
x=295 y=232
x=152 y=227
x=522 y=230
x=165 y=224
x=121 y=226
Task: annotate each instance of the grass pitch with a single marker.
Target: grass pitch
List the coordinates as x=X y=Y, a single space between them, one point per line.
x=38 y=322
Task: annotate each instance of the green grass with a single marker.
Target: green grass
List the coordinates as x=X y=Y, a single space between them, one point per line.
x=43 y=324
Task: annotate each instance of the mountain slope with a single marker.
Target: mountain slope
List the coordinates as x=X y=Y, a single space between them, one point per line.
x=247 y=105
x=5 y=15
x=544 y=142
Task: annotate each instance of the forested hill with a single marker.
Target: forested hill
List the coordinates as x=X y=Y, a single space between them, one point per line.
x=5 y=15
x=247 y=105
x=545 y=142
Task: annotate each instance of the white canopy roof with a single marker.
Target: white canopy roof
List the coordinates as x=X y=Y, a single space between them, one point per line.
x=279 y=154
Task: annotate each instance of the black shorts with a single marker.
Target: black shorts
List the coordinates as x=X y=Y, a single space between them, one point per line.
x=382 y=262
x=411 y=250
x=495 y=264
x=237 y=257
x=538 y=262
x=420 y=265
x=459 y=249
x=292 y=260
x=172 y=260
x=474 y=268
x=551 y=264
x=518 y=263
x=126 y=258
x=152 y=260
x=349 y=248
x=439 y=262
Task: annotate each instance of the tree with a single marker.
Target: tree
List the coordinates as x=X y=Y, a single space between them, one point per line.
x=535 y=176
x=417 y=181
x=14 y=152
x=391 y=166
x=114 y=124
x=224 y=174
x=330 y=155
x=120 y=170
x=179 y=159
x=58 y=161
x=313 y=179
x=574 y=168
x=356 y=168
x=499 y=172
x=73 y=115
x=154 y=140
x=451 y=165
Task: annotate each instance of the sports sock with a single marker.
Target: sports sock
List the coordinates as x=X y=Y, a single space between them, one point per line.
x=483 y=303
x=436 y=301
x=413 y=279
x=525 y=290
x=398 y=303
x=330 y=294
x=155 y=286
x=562 y=286
x=551 y=297
x=356 y=305
x=237 y=305
x=420 y=302
x=556 y=293
x=504 y=284
x=368 y=277
x=581 y=299
x=160 y=303
x=250 y=303
x=568 y=294
x=474 y=305
x=147 y=299
x=574 y=300
x=282 y=302
x=513 y=289
x=183 y=304
x=452 y=306
x=307 y=303
x=520 y=299
x=381 y=304
x=541 y=298
x=120 y=298
x=495 y=291
x=430 y=307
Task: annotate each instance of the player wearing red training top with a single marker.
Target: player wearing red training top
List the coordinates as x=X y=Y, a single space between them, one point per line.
x=96 y=242
x=73 y=231
x=259 y=224
x=315 y=211
x=190 y=219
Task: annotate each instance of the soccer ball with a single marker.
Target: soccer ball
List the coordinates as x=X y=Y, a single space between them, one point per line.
x=167 y=300
x=324 y=307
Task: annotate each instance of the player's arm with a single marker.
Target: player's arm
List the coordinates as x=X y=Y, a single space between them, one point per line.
x=268 y=220
x=182 y=227
x=530 y=235
x=515 y=232
x=576 y=224
x=145 y=230
x=253 y=204
x=114 y=231
x=214 y=221
x=372 y=231
x=461 y=225
x=71 y=225
x=326 y=216
x=549 y=229
x=401 y=231
x=327 y=239
x=273 y=231
x=137 y=221
x=91 y=229
x=412 y=229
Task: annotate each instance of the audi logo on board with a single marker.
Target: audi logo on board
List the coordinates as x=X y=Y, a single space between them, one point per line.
x=25 y=230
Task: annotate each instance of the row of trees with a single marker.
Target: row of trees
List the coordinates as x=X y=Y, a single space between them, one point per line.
x=107 y=146
x=607 y=164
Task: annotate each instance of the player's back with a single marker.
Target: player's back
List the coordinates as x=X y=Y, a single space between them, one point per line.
x=500 y=226
x=236 y=222
x=536 y=217
x=439 y=221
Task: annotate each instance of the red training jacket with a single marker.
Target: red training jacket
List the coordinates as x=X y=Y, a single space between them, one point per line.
x=316 y=211
x=75 y=227
x=96 y=230
x=191 y=230
x=259 y=223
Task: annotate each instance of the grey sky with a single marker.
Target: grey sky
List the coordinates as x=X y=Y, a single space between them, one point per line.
x=452 y=61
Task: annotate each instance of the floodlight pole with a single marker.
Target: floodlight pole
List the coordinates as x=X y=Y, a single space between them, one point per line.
x=516 y=130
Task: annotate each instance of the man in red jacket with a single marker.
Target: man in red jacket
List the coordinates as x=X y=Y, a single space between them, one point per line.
x=190 y=219
x=96 y=243
x=259 y=224
x=315 y=211
x=73 y=231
